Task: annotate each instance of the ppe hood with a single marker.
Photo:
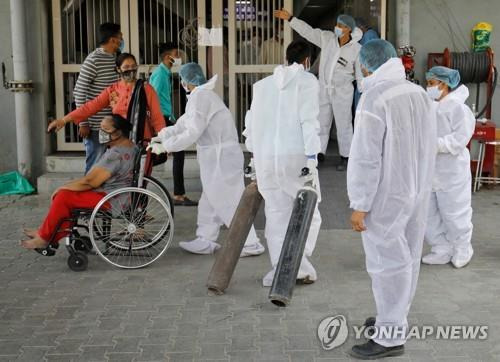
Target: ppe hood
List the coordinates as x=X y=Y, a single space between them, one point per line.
x=392 y=69
x=210 y=84
x=283 y=75
x=460 y=94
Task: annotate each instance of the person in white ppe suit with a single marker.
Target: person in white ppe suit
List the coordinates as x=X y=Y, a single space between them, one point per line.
x=281 y=129
x=449 y=224
x=209 y=123
x=338 y=68
x=389 y=180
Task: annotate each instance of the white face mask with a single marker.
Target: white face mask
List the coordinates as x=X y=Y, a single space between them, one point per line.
x=338 y=31
x=434 y=92
x=177 y=62
x=307 y=67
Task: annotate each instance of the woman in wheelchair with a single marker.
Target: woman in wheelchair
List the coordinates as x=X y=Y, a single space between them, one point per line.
x=118 y=96
x=114 y=170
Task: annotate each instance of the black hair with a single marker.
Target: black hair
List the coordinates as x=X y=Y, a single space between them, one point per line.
x=167 y=47
x=297 y=51
x=108 y=31
x=121 y=124
x=122 y=57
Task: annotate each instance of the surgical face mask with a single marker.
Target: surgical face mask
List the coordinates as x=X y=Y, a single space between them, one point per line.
x=129 y=75
x=105 y=137
x=176 y=62
x=434 y=92
x=122 y=46
x=338 y=31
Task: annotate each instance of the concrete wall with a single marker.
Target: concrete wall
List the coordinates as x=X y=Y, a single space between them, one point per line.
x=38 y=34
x=428 y=35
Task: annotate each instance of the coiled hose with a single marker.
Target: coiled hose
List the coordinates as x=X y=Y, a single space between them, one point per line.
x=474 y=68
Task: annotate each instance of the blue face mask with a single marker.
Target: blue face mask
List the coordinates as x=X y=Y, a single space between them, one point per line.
x=338 y=31
x=122 y=46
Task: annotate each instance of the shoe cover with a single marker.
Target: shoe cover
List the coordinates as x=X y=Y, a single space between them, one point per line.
x=252 y=250
x=199 y=246
x=436 y=259
x=462 y=257
x=307 y=271
x=267 y=281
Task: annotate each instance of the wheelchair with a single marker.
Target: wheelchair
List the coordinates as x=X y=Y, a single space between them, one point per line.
x=130 y=227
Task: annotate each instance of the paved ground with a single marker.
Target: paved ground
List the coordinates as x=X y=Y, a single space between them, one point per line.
x=163 y=312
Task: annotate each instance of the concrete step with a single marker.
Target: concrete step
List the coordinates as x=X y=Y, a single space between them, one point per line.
x=67 y=162
x=50 y=181
x=75 y=163
x=62 y=168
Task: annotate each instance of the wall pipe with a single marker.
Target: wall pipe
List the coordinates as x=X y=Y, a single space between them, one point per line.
x=22 y=91
x=402 y=23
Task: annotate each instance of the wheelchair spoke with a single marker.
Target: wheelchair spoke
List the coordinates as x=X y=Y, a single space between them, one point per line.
x=136 y=231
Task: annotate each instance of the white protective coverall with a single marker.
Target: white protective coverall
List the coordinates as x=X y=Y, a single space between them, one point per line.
x=338 y=68
x=208 y=123
x=389 y=176
x=281 y=129
x=449 y=224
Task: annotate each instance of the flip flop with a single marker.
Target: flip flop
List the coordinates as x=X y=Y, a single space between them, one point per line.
x=185 y=202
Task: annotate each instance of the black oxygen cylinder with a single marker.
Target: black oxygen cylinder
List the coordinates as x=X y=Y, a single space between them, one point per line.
x=293 y=246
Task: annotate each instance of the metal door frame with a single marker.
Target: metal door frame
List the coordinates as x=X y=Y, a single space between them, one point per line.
x=60 y=68
x=234 y=68
x=129 y=22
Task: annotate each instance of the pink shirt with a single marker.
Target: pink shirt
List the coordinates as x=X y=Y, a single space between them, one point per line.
x=117 y=96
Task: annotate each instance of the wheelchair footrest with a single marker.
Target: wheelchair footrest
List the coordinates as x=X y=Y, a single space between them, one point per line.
x=49 y=250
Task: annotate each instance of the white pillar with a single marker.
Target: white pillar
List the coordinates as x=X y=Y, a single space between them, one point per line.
x=218 y=51
x=403 y=22
x=21 y=98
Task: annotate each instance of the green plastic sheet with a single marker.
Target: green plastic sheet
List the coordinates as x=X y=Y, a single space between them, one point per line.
x=12 y=183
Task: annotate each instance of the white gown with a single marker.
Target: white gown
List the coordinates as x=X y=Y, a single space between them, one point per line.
x=389 y=176
x=449 y=224
x=208 y=123
x=281 y=129
x=338 y=68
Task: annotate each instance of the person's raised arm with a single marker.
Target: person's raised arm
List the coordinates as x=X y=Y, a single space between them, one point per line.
x=82 y=113
x=301 y=27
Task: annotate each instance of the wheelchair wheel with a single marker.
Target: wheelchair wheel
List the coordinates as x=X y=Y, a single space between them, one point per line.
x=131 y=227
x=152 y=184
x=78 y=261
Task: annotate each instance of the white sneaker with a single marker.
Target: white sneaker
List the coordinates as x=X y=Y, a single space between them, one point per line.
x=267 y=281
x=434 y=258
x=199 y=246
x=462 y=257
x=252 y=250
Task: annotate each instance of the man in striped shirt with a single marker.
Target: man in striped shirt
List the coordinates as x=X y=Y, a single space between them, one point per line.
x=97 y=72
